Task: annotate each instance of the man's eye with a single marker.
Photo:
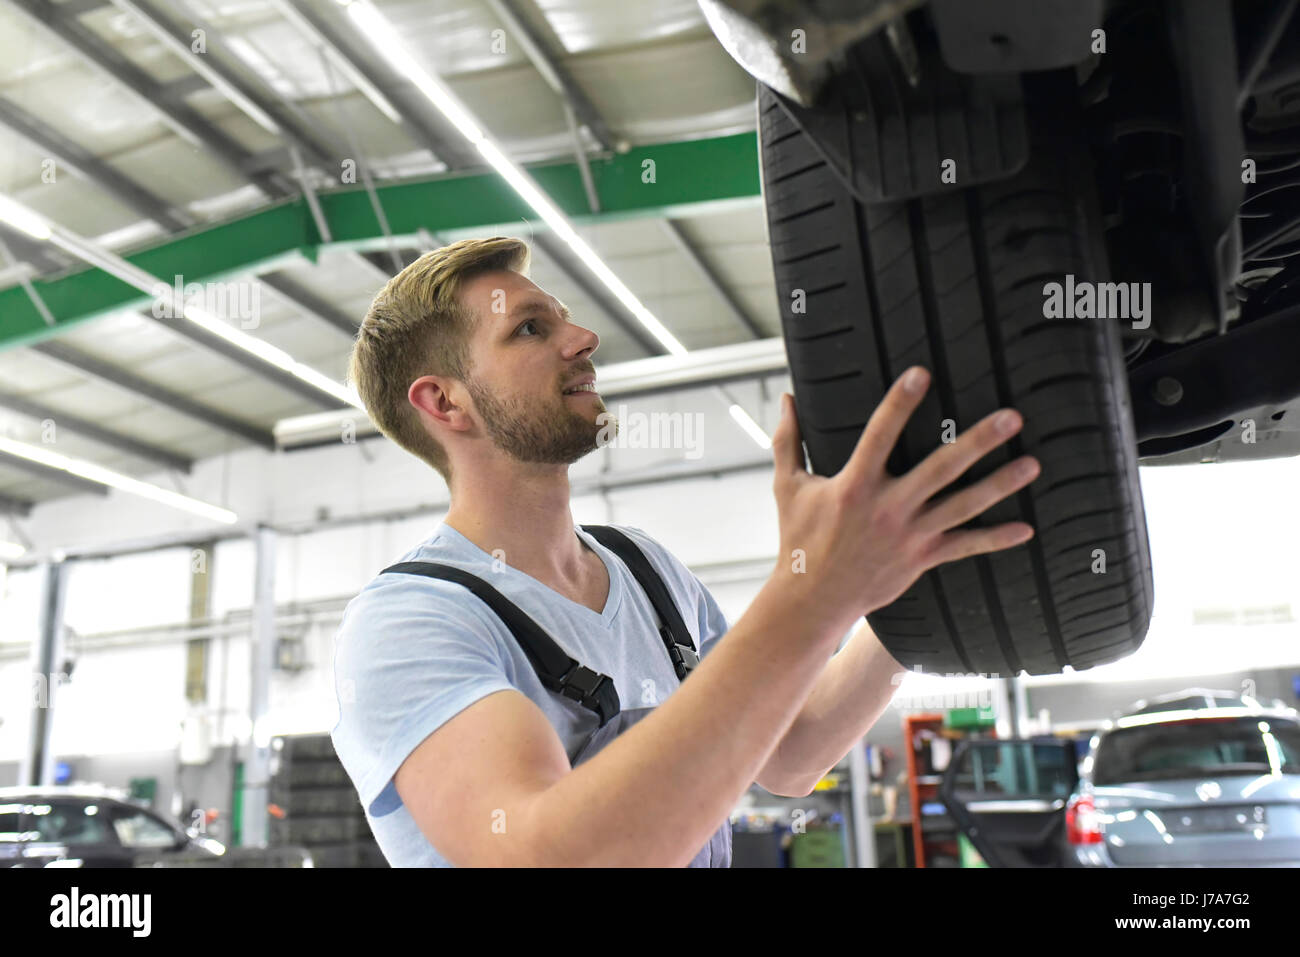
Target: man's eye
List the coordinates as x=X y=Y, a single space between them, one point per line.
x=529 y=322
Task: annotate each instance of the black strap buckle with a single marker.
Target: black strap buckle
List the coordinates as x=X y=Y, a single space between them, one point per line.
x=590 y=689
x=683 y=657
x=581 y=684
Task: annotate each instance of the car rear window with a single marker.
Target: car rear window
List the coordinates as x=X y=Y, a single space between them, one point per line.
x=1198 y=747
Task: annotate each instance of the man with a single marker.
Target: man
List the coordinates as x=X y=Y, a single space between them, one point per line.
x=460 y=754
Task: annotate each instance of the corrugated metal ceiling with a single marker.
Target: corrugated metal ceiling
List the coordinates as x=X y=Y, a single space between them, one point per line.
x=653 y=72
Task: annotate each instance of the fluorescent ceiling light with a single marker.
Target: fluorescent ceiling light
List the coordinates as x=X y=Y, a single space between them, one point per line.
x=743 y=418
x=22 y=218
x=88 y=251
x=97 y=473
x=368 y=89
x=272 y=354
x=391 y=46
x=10 y=550
x=750 y=426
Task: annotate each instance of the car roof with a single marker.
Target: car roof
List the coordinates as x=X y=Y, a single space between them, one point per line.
x=1170 y=716
x=1192 y=698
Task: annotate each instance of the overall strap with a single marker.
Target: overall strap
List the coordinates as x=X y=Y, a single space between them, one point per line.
x=556 y=670
x=672 y=629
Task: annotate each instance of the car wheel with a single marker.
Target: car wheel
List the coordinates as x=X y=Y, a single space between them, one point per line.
x=954 y=281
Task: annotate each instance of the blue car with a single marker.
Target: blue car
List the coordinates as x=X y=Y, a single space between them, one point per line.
x=1197 y=778
x=1186 y=786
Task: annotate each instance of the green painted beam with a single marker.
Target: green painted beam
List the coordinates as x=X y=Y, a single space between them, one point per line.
x=687 y=177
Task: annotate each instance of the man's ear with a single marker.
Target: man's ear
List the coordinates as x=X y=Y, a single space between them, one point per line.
x=442 y=398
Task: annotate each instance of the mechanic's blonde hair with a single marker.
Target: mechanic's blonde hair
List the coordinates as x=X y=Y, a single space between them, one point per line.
x=417 y=326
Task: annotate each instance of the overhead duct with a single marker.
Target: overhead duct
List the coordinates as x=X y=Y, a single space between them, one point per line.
x=698 y=368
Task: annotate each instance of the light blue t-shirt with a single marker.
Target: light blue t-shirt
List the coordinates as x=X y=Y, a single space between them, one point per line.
x=412 y=652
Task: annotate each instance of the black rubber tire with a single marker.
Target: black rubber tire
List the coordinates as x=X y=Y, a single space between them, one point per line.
x=954 y=282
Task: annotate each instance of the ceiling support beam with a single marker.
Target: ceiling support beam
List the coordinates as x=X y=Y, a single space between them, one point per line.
x=117 y=440
x=253 y=103
x=691 y=177
x=554 y=72
x=308 y=302
x=141 y=388
x=50 y=142
x=187 y=122
x=710 y=276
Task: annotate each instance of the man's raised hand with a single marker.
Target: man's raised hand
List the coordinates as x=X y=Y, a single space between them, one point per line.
x=856 y=541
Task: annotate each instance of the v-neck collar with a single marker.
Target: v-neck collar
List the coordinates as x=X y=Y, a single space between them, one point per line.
x=612 y=600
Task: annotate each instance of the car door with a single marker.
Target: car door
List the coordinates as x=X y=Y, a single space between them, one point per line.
x=1008 y=797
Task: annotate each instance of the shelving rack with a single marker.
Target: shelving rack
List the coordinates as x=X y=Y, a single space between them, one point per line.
x=934 y=836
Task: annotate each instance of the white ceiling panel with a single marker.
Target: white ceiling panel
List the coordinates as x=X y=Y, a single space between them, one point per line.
x=591 y=24
x=127 y=35
x=653 y=72
x=673 y=91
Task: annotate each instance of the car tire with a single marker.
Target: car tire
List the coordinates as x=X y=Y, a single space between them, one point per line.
x=954 y=281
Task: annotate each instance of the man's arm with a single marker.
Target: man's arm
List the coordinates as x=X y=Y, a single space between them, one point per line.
x=657 y=792
x=493 y=786
x=850 y=695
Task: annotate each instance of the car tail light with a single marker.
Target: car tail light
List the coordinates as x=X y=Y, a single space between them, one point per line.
x=1081 y=825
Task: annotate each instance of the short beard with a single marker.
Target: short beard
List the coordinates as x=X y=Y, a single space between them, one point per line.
x=547 y=436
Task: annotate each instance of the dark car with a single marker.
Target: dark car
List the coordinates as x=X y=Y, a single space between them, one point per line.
x=95 y=826
x=1082 y=209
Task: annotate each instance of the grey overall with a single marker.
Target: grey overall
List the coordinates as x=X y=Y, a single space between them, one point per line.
x=562 y=674
x=717 y=852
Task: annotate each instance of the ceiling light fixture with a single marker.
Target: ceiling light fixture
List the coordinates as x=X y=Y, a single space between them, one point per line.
x=23 y=219
x=752 y=429
x=104 y=476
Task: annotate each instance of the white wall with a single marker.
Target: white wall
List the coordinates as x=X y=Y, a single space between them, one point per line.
x=1221 y=535
x=133 y=699
x=370 y=476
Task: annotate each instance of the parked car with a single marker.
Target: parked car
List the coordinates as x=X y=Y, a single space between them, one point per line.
x=1083 y=209
x=1193 y=778
x=95 y=826
x=1213 y=786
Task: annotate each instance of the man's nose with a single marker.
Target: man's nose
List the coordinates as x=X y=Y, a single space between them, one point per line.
x=582 y=340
